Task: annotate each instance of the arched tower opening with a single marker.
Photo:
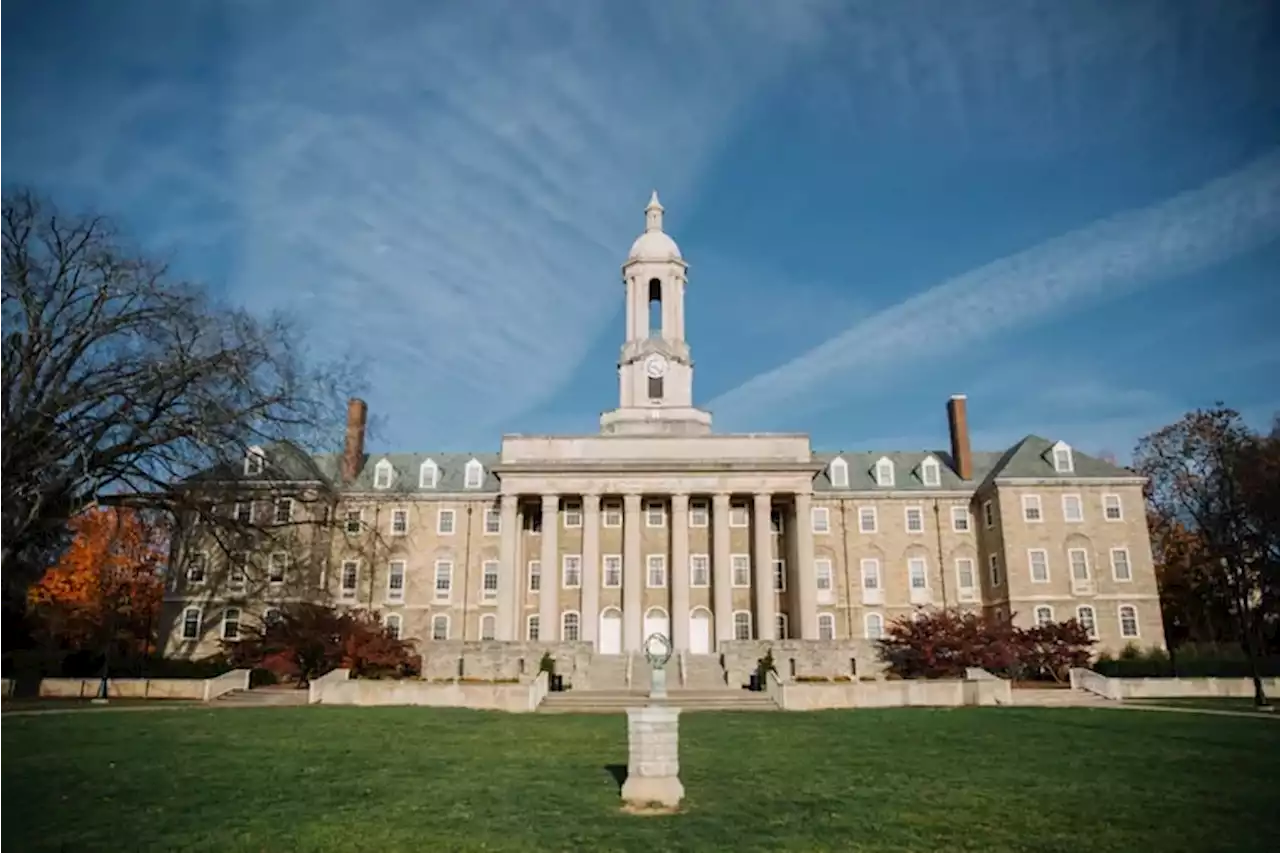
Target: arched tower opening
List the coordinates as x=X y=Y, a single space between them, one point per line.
x=655 y=309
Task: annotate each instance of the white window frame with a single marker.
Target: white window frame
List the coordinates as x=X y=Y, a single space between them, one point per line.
x=226 y=620
x=448 y=627
x=287 y=505
x=884 y=472
x=739 y=515
x=1030 y=503
x=734 y=561
x=442 y=595
x=876 y=574
x=873 y=619
x=272 y=561
x=650 y=508
x=428 y=474
x=993 y=570
x=820 y=519
x=824 y=580
x=738 y=620
x=255 y=462
x=441 y=514
x=931 y=473
x=577 y=626
x=353 y=517
x=348 y=593
x=572 y=515
x=705 y=559
x=826 y=626
x=1110 y=501
x=1062 y=457
x=699 y=513
x=612 y=514
x=652 y=562
x=782 y=626
x=961 y=520
x=1031 y=565
x=532 y=628
x=605 y=560
x=838 y=473
x=1079 y=503
x=906 y=520
x=1086 y=581
x=918 y=592
x=237 y=572
x=187 y=611
x=473 y=475
x=403 y=514
x=779 y=567
x=571 y=571
x=394 y=594
x=1042 y=609
x=489 y=627
x=533 y=571
x=988 y=515
x=1128 y=564
x=384 y=474
x=393 y=619
x=967 y=592
x=492 y=514
x=1091 y=625
x=489 y=569
x=201 y=558
x=862 y=518
x=1137 y=625
x=248 y=519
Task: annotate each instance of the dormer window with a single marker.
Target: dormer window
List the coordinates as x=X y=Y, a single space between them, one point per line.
x=884 y=472
x=382 y=475
x=254 y=461
x=428 y=475
x=838 y=472
x=931 y=472
x=1063 y=462
x=475 y=475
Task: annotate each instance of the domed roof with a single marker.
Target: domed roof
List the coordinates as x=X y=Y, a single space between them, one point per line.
x=654 y=244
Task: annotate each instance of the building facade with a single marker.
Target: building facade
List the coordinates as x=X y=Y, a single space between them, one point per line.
x=658 y=524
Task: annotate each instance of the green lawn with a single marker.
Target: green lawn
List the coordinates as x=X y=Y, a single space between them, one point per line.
x=384 y=779
x=1208 y=703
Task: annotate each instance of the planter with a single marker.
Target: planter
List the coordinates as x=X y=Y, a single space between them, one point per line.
x=755 y=685
x=556 y=683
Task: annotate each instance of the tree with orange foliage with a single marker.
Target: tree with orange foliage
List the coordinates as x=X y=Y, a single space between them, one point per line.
x=106 y=584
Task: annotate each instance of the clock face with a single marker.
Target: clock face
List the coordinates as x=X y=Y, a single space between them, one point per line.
x=655 y=366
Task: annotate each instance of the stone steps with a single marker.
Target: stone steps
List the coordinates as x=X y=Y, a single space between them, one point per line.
x=1058 y=698
x=618 y=701
x=703 y=672
x=263 y=697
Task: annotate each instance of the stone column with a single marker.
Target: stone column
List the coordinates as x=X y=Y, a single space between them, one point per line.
x=766 y=598
x=806 y=597
x=549 y=589
x=679 y=574
x=632 y=576
x=722 y=572
x=590 y=568
x=508 y=569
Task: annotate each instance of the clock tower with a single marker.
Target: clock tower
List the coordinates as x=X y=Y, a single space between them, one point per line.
x=655 y=372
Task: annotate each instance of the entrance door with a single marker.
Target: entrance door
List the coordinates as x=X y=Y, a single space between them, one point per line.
x=611 y=632
x=700 y=632
x=655 y=622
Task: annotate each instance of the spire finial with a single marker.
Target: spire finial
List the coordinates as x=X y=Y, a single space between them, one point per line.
x=653 y=214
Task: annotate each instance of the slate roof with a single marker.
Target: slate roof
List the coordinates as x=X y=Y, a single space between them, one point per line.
x=452 y=476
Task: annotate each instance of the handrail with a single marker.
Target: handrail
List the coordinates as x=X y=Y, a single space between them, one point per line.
x=630 y=657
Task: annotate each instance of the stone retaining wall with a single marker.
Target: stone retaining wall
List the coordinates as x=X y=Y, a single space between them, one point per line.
x=450 y=659
x=814 y=658
x=947 y=693
x=196 y=689
x=338 y=688
x=1167 y=688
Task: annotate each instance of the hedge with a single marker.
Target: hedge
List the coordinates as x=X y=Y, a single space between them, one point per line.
x=1187 y=662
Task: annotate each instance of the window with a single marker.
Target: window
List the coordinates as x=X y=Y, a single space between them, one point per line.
x=572 y=514
x=440 y=626
x=822 y=575
x=1111 y=508
x=533 y=520
x=931 y=472
x=884 y=472
x=1128 y=621
x=826 y=626
x=428 y=475
x=531 y=628
x=918 y=572
x=821 y=519
x=354 y=521
x=492 y=521
x=655 y=514
x=284 y=510
x=1038 y=560
x=738 y=515
x=988 y=515
x=191 y=623
x=272 y=616
x=391 y=624
x=382 y=474
x=1062 y=461
x=780 y=626
x=779 y=575
x=915 y=519
x=993 y=566
x=399 y=522
x=867 y=519
x=655 y=388
x=656 y=577
x=1044 y=615
x=1087 y=620
x=965 y=576
x=276 y=565
x=197 y=568
x=775 y=522
x=1072 y=510
x=231 y=623
x=444 y=579
x=350 y=576
x=395 y=580
x=613 y=515
x=875 y=626
x=489 y=580
x=1120 y=564
x=444 y=522
x=474 y=475
x=488 y=627
x=960 y=519
x=741 y=564
x=1031 y=508
x=236 y=578
x=699 y=570
x=613 y=571
x=1079 y=559
x=871 y=574
x=838 y=473
x=742 y=625
x=535 y=575
x=571 y=571
x=698 y=513
x=244 y=513
x=254 y=461
x=569 y=624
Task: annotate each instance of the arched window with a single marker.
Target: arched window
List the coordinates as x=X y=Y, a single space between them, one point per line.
x=474 y=475
x=655 y=308
x=742 y=625
x=531 y=629
x=875 y=626
x=440 y=627
x=838 y=473
x=569 y=624
x=488 y=626
x=428 y=474
x=392 y=625
x=826 y=626
x=383 y=474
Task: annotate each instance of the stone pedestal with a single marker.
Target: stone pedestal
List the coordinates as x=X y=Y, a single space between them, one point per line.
x=658 y=684
x=653 y=765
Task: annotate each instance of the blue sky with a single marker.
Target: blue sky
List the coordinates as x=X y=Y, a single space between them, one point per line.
x=1068 y=211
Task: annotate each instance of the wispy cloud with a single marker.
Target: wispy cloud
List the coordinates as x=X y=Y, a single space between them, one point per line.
x=1190 y=231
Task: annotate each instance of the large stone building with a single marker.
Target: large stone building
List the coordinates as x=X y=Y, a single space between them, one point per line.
x=659 y=524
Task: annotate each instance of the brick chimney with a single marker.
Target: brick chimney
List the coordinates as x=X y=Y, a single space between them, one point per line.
x=958 y=421
x=353 y=452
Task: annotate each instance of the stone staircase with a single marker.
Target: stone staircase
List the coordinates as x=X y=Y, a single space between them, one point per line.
x=618 y=701
x=607 y=672
x=703 y=672
x=270 y=696
x=1058 y=697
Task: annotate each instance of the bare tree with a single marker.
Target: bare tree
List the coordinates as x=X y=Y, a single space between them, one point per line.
x=120 y=380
